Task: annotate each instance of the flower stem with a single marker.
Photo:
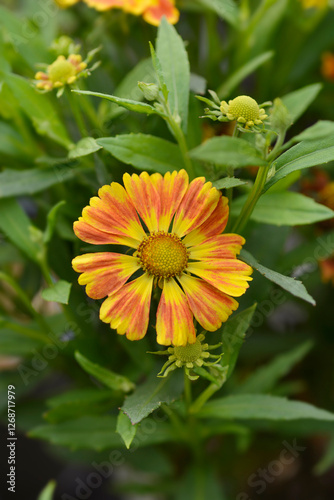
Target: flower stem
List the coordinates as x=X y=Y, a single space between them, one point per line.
x=179 y=136
x=202 y=398
x=25 y=301
x=73 y=102
x=187 y=391
x=252 y=199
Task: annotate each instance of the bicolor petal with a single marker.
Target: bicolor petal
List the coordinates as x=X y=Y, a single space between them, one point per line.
x=104 y=273
x=91 y=234
x=230 y=276
x=174 y=319
x=112 y=212
x=144 y=197
x=136 y=7
x=160 y=8
x=214 y=224
x=210 y=306
x=223 y=246
x=127 y=310
x=102 y=5
x=171 y=189
x=196 y=206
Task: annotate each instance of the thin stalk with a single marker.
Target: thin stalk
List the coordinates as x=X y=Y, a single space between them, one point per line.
x=179 y=136
x=252 y=199
x=203 y=398
x=73 y=102
x=26 y=332
x=187 y=391
x=25 y=301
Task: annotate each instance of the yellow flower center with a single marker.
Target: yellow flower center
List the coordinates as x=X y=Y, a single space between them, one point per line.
x=61 y=70
x=163 y=255
x=189 y=353
x=245 y=107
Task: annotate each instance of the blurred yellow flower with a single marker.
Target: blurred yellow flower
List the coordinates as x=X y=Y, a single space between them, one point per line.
x=61 y=72
x=314 y=4
x=65 y=3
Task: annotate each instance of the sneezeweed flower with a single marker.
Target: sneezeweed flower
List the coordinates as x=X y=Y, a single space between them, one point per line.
x=183 y=252
x=63 y=71
x=151 y=10
x=327 y=66
x=188 y=357
x=245 y=110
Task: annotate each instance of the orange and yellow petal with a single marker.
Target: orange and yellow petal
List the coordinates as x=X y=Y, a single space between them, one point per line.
x=223 y=246
x=174 y=319
x=160 y=8
x=215 y=224
x=196 y=206
x=90 y=234
x=171 y=189
x=127 y=310
x=112 y=212
x=230 y=276
x=102 y=5
x=144 y=197
x=104 y=273
x=210 y=306
x=136 y=7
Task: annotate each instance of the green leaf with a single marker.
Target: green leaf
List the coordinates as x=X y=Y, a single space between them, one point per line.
x=31 y=181
x=84 y=147
x=145 y=152
x=17 y=227
x=262 y=406
x=125 y=429
x=74 y=404
x=320 y=130
x=228 y=182
x=98 y=432
x=175 y=66
x=238 y=76
x=159 y=73
x=88 y=432
x=285 y=209
x=234 y=333
x=227 y=151
x=151 y=394
x=38 y=108
x=48 y=491
x=304 y=155
x=107 y=377
x=289 y=284
x=266 y=377
x=226 y=9
x=143 y=72
x=24 y=36
x=298 y=101
x=19 y=340
x=138 y=107
x=51 y=221
x=59 y=292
